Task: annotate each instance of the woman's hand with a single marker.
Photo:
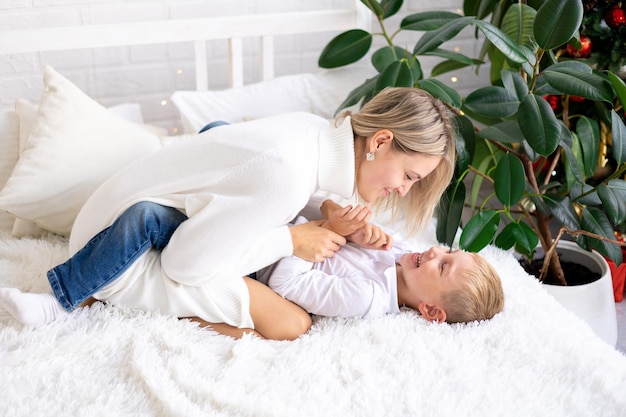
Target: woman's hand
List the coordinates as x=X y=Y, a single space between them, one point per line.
x=353 y=224
x=314 y=243
x=347 y=220
x=371 y=237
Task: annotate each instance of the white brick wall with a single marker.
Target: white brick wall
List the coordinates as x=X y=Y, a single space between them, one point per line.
x=149 y=74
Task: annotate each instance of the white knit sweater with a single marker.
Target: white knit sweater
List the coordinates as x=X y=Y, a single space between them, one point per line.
x=240 y=185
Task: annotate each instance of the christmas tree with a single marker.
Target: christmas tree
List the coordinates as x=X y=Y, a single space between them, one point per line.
x=603 y=35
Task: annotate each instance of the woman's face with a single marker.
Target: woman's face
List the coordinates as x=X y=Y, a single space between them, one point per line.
x=391 y=171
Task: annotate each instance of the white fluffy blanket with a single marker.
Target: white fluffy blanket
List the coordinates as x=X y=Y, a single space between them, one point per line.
x=534 y=359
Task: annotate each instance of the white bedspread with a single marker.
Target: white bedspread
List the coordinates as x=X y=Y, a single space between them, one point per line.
x=534 y=359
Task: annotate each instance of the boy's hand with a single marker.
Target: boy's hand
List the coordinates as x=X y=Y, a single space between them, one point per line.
x=346 y=220
x=371 y=237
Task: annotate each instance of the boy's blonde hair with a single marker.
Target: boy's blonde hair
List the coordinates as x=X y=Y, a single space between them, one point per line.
x=420 y=123
x=480 y=296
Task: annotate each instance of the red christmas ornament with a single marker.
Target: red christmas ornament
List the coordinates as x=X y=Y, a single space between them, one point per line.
x=585 y=48
x=554 y=101
x=615 y=17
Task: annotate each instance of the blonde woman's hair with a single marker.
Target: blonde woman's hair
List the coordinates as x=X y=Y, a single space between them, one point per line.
x=480 y=296
x=420 y=123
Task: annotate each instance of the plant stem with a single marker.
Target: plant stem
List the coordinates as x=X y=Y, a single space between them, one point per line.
x=550 y=252
x=543 y=227
x=480 y=173
x=386 y=35
x=553 y=165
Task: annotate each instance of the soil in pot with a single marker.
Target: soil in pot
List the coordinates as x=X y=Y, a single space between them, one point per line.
x=575 y=274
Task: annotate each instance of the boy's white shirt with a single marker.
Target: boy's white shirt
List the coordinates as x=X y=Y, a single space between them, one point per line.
x=356 y=282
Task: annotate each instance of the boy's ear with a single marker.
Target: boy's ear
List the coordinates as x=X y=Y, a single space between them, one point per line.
x=432 y=312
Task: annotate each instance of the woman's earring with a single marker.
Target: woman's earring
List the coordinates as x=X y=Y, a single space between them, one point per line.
x=370 y=156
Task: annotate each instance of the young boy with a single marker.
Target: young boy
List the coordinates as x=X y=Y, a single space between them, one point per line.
x=374 y=278
x=415 y=285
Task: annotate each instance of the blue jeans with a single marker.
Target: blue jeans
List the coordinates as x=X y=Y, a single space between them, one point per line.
x=107 y=255
x=212 y=125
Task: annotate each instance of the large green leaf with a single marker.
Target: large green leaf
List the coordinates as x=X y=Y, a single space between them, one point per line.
x=515 y=83
x=573 y=159
x=465 y=129
x=539 y=124
x=416 y=69
x=500 y=40
x=486 y=156
x=449 y=212
x=619 y=86
x=517 y=23
x=613 y=197
x=479 y=8
x=479 y=231
x=446 y=66
x=387 y=54
x=509 y=180
x=590 y=199
x=543 y=88
x=506 y=132
x=345 y=48
x=563 y=211
x=442 y=91
x=588 y=132
x=519 y=235
x=570 y=81
x=498 y=64
x=595 y=221
x=397 y=74
x=374 y=6
x=573 y=64
x=618 y=136
x=390 y=7
x=492 y=101
x=556 y=22
x=433 y=39
x=362 y=91
x=426 y=21
x=453 y=56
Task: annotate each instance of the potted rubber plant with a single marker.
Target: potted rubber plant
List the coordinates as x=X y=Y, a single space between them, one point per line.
x=509 y=134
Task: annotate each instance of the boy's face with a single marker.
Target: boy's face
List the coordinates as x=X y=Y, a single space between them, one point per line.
x=428 y=275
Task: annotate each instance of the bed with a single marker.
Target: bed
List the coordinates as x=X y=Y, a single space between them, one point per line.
x=533 y=359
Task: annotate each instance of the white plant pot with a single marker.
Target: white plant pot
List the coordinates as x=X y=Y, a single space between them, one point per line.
x=593 y=302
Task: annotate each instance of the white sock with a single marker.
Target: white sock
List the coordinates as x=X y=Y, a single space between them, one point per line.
x=31 y=308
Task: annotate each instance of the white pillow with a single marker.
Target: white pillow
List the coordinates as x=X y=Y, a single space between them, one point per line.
x=27 y=113
x=319 y=93
x=73 y=146
x=9 y=132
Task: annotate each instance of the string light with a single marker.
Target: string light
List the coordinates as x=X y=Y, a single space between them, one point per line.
x=164 y=102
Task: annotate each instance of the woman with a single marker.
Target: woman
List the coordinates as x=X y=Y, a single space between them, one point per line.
x=240 y=185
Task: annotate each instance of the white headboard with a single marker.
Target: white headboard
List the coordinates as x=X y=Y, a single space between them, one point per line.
x=198 y=30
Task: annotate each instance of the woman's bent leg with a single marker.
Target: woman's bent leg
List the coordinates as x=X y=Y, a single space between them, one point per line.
x=107 y=255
